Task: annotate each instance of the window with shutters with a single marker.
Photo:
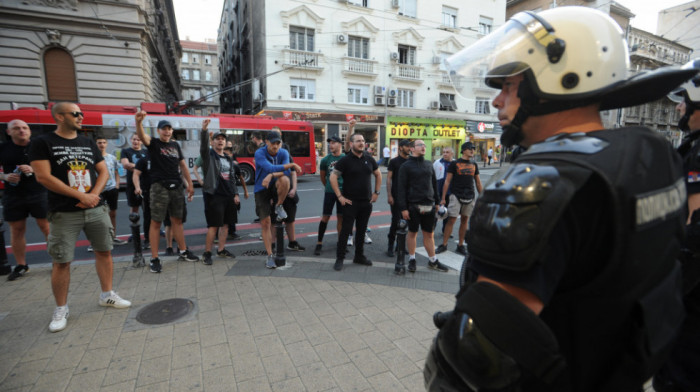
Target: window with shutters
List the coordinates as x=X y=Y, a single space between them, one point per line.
x=60 y=76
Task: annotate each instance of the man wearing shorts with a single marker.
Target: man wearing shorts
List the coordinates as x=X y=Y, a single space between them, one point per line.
x=461 y=176
x=417 y=200
x=271 y=166
x=167 y=167
x=71 y=167
x=23 y=195
x=335 y=146
x=130 y=156
x=111 y=192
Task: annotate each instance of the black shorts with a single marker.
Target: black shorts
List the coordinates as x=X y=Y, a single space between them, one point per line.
x=19 y=207
x=330 y=200
x=111 y=197
x=425 y=221
x=132 y=199
x=219 y=209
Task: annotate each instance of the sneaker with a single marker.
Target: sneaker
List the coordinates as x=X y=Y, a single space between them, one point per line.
x=461 y=249
x=116 y=241
x=317 y=251
x=155 y=265
x=225 y=253
x=18 y=272
x=114 y=300
x=60 y=319
x=412 y=265
x=441 y=248
x=362 y=260
x=390 y=251
x=206 y=258
x=234 y=236
x=271 y=262
x=338 y=265
x=293 y=245
x=368 y=240
x=146 y=245
x=89 y=248
x=350 y=241
x=169 y=252
x=280 y=212
x=437 y=266
x=186 y=255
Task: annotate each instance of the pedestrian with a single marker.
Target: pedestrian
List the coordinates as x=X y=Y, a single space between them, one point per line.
x=440 y=166
x=679 y=374
x=392 y=187
x=218 y=189
x=111 y=192
x=228 y=150
x=72 y=169
x=356 y=197
x=348 y=148
x=386 y=154
x=489 y=156
x=417 y=200
x=23 y=195
x=335 y=149
x=572 y=282
x=461 y=179
x=129 y=157
x=141 y=182
x=271 y=163
x=168 y=168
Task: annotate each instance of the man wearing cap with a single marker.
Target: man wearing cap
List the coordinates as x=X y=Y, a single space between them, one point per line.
x=461 y=176
x=271 y=179
x=335 y=146
x=392 y=183
x=440 y=166
x=168 y=167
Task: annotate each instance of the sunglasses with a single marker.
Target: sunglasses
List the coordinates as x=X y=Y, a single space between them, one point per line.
x=75 y=114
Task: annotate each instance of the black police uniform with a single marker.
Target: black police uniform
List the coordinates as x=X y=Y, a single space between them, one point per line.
x=591 y=224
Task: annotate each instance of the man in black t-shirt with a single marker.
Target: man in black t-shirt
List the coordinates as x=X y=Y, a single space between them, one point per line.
x=167 y=164
x=72 y=168
x=129 y=157
x=23 y=195
x=392 y=182
x=142 y=185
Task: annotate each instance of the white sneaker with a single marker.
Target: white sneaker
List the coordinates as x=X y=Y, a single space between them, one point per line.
x=114 y=300
x=60 y=319
x=350 y=241
x=367 y=239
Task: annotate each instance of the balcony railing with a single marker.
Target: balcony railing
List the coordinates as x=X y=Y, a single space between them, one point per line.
x=301 y=58
x=408 y=72
x=359 y=66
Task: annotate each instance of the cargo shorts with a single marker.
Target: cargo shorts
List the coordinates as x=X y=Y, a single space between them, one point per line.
x=66 y=226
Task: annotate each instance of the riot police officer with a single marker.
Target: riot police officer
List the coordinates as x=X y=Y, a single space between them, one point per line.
x=572 y=282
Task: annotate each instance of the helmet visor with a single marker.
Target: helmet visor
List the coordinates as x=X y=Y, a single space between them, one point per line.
x=677 y=95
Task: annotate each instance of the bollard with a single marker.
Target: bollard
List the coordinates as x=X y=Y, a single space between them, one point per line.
x=137 y=261
x=400 y=268
x=280 y=260
x=5 y=267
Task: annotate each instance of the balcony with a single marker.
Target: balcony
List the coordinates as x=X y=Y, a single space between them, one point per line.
x=300 y=59
x=359 y=67
x=444 y=80
x=410 y=73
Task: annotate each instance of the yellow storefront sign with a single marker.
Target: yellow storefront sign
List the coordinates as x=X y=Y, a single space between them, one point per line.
x=398 y=131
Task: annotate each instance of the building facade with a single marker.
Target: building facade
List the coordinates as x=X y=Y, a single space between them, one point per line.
x=199 y=72
x=680 y=24
x=377 y=61
x=107 y=53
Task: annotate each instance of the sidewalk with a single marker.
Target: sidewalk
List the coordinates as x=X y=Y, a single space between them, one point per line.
x=251 y=329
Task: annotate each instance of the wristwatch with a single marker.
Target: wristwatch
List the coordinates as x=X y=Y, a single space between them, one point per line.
x=376 y=193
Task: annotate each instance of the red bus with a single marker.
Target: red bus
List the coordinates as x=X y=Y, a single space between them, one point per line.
x=117 y=124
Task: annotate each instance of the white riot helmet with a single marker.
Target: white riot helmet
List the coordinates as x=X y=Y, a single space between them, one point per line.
x=688 y=92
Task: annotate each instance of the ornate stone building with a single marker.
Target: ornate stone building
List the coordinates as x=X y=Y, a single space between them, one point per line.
x=199 y=72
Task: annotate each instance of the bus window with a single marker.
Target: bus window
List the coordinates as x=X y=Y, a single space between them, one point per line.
x=237 y=137
x=298 y=143
x=180 y=134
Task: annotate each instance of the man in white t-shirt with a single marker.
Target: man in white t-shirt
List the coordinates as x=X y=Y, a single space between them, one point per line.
x=386 y=154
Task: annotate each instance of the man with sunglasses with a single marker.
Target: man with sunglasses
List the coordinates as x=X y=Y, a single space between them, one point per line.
x=71 y=167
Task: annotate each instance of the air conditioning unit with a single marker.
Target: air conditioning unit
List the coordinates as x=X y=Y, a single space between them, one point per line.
x=396 y=3
x=342 y=39
x=392 y=93
x=434 y=105
x=379 y=100
x=394 y=56
x=391 y=101
x=378 y=90
x=436 y=59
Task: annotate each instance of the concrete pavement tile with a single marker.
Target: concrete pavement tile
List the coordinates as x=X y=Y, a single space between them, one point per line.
x=186 y=291
x=373 y=314
x=247 y=368
x=367 y=362
x=362 y=300
x=216 y=356
x=186 y=333
x=391 y=330
x=77 y=334
x=418 y=330
x=236 y=325
x=397 y=314
x=231 y=309
x=219 y=379
x=187 y=379
x=8 y=362
x=349 y=340
x=399 y=364
x=321 y=308
x=359 y=323
x=242 y=344
x=66 y=358
x=207 y=304
x=295 y=302
x=208 y=319
x=414 y=382
x=53 y=381
x=412 y=348
x=44 y=347
x=184 y=356
x=290 y=385
x=331 y=354
x=163 y=386
x=349 y=378
x=317 y=334
x=385 y=382
x=279 y=368
x=24 y=374
x=302 y=353
x=112 y=318
x=90 y=381
x=269 y=345
x=335 y=322
x=305 y=317
x=376 y=341
x=123 y=386
x=96 y=359
x=121 y=370
x=345 y=309
x=157 y=347
x=290 y=333
x=260 y=384
x=130 y=343
x=210 y=336
x=153 y=371
x=310 y=295
x=261 y=325
x=156 y=331
x=316 y=377
x=345 y=289
x=105 y=338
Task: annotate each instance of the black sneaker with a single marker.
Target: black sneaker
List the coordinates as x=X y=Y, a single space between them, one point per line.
x=234 y=236
x=441 y=248
x=206 y=258
x=362 y=260
x=338 y=265
x=155 y=265
x=293 y=245
x=18 y=272
x=437 y=266
x=412 y=265
x=169 y=252
x=461 y=249
x=225 y=253
x=390 y=251
x=317 y=251
x=186 y=255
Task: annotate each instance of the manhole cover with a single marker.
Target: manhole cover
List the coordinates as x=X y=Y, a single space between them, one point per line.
x=165 y=311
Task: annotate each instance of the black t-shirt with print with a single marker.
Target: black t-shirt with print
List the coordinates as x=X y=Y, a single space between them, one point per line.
x=226 y=186
x=133 y=156
x=463 y=173
x=165 y=160
x=73 y=161
x=11 y=156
